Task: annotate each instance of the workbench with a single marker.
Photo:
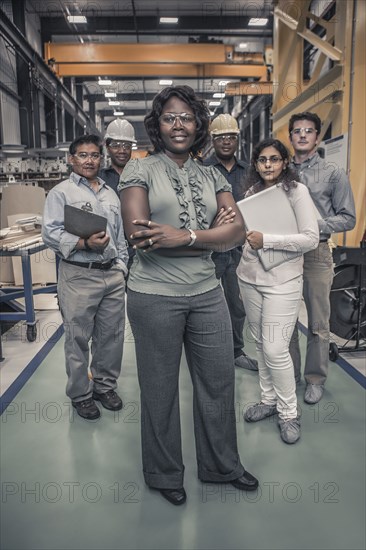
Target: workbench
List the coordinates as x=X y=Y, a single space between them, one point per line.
x=12 y=293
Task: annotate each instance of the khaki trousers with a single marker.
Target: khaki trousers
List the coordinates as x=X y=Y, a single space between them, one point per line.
x=318 y=277
x=92 y=304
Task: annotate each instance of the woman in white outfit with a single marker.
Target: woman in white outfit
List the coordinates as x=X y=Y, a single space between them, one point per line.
x=272 y=298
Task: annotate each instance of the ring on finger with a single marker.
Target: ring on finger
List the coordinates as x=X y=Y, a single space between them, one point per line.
x=149 y=223
x=151 y=242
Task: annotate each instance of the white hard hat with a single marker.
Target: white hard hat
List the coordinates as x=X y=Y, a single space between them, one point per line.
x=120 y=129
x=224 y=124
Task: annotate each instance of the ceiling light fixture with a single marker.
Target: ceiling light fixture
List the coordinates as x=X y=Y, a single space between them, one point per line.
x=224 y=82
x=165 y=82
x=111 y=103
x=104 y=82
x=255 y=22
x=77 y=19
x=214 y=103
x=168 y=20
x=118 y=113
x=12 y=148
x=219 y=95
x=243 y=45
x=110 y=94
x=63 y=145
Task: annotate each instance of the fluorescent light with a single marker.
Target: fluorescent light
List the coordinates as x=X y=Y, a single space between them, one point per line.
x=63 y=145
x=219 y=95
x=12 y=148
x=110 y=94
x=165 y=82
x=76 y=19
x=111 y=103
x=104 y=82
x=134 y=146
x=245 y=44
x=118 y=113
x=255 y=22
x=224 y=82
x=168 y=20
x=214 y=103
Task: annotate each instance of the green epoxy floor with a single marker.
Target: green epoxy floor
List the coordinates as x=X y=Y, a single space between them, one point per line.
x=72 y=484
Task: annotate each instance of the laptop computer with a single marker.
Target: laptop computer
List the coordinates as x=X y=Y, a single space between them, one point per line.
x=270 y=212
x=83 y=223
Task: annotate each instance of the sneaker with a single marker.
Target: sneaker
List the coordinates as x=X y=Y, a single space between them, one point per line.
x=259 y=411
x=313 y=393
x=110 y=400
x=245 y=362
x=290 y=430
x=86 y=409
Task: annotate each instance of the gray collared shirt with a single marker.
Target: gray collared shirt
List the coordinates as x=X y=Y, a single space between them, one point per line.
x=331 y=192
x=77 y=192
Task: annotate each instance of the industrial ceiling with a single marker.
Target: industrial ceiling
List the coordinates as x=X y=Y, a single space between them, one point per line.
x=125 y=42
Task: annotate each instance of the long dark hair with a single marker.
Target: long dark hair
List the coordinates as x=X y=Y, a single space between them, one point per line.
x=288 y=176
x=199 y=107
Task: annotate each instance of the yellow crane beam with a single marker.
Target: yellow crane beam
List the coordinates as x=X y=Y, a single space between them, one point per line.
x=160 y=70
x=249 y=88
x=149 y=53
x=155 y=60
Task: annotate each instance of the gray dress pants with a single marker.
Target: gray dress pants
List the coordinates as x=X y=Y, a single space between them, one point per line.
x=318 y=277
x=92 y=304
x=161 y=325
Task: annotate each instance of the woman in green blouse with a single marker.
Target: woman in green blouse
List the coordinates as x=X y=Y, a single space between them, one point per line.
x=170 y=204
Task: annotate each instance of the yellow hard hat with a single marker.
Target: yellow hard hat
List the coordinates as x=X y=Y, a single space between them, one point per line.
x=224 y=124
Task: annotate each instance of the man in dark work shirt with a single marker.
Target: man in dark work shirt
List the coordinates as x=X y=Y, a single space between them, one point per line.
x=119 y=138
x=224 y=132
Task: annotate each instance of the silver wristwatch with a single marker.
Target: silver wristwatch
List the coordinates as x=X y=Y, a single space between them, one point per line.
x=193 y=237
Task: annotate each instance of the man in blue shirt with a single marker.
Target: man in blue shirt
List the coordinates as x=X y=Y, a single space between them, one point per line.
x=331 y=192
x=224 y=132
x=91 y=281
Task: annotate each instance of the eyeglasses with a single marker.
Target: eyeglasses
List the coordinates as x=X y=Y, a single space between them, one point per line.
x=226 y=137
x=84 y=156
x=271 y=160
x=120 y=145
x=298 y=131
x=169 y=119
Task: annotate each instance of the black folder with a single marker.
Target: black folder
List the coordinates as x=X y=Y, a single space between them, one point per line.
x=83 y=223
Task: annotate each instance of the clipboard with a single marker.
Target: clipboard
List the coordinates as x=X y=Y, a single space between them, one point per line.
x=270 y=212
x=82 y=223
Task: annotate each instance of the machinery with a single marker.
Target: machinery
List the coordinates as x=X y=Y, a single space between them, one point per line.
x=348 y=300
x=44 y=167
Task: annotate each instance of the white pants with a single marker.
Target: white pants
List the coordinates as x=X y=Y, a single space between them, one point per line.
x=272 y=312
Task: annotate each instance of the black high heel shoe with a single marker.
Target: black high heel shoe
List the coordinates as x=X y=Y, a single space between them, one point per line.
x=174 y=496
